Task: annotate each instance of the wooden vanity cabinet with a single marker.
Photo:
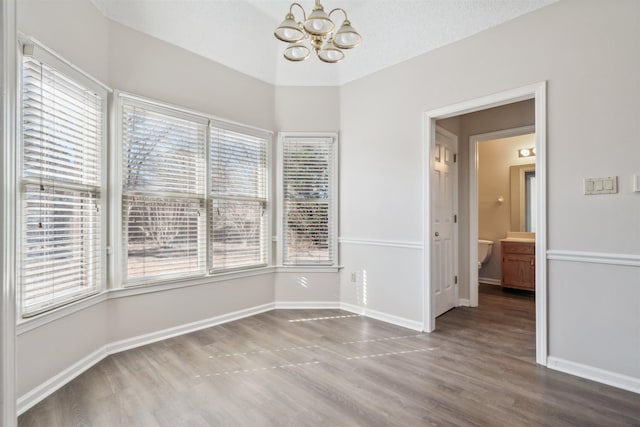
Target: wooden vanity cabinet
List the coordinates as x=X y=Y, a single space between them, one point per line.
x=519 y=265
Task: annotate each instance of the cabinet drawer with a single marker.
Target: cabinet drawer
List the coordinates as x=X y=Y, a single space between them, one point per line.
x=518 y=248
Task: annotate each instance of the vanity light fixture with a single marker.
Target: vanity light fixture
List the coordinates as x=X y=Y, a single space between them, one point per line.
x=527 y=152
x=319 y=29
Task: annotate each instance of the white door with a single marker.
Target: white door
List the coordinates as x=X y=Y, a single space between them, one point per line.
x=444 y=193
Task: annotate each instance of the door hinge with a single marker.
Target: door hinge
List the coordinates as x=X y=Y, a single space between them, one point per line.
x=455 y=219
x=455 y=158
x=455 y=280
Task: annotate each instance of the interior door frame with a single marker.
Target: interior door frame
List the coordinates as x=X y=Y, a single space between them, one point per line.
x=473 y=200
x=536 y=91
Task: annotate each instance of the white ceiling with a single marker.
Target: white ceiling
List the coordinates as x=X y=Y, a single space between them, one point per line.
x=239 y=33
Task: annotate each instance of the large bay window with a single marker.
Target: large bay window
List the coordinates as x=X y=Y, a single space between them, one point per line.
x=63 y=117
x=189 y=194
x=308 y=202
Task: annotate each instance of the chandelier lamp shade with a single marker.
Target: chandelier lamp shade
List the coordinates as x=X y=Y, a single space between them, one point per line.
x=319 y=30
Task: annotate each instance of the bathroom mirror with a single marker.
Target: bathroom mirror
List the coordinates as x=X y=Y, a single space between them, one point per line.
x=523 y=197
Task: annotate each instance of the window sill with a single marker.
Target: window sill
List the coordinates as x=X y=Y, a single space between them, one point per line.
x=186 y=282
x=28 y=324
x=308 y=269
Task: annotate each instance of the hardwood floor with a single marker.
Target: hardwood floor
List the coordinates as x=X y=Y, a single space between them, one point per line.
x=332 y=368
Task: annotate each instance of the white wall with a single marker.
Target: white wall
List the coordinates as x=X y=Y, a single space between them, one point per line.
x=45 y=351
x=146 y=66
x=311 y=288
x=59 y=24
x=588 y=53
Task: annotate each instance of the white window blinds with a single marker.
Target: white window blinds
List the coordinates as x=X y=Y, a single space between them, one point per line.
x=163 y=192
x=308 y=200
x=63 y=137
x=238 y=198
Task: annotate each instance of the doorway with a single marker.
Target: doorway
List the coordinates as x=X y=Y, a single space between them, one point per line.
x=537 y=92
x=520 y=220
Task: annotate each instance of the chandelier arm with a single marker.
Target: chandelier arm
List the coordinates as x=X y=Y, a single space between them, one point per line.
x=341 y=10
x=304 y=15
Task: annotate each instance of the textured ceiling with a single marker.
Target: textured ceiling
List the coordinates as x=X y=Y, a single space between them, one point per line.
x=239 y=33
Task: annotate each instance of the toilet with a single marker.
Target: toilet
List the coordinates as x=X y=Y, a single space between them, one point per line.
x=484 y=251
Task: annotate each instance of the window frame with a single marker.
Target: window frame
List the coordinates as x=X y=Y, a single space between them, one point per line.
x=121 y=100
x=334 y=205
x=31 y=48
x=266 y=200
x=119 y=259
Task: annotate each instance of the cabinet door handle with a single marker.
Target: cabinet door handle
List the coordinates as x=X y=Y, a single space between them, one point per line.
x=533 y=262
x=437 y=234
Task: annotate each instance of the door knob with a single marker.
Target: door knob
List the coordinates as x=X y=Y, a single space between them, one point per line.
x=437 y=234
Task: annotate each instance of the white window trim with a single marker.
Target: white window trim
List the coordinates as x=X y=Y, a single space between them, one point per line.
x=53 y=59
x=282 y=136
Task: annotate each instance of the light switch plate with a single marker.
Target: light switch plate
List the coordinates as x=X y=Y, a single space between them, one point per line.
x=636 y=183
x=604 y=185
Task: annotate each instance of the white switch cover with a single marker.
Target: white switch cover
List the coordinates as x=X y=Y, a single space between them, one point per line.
x=606 y=185
x=636 y=183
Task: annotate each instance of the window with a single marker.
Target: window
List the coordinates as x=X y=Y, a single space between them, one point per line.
x=308 y=176
x=163 y=194
x=238 y=219
x=194 y=196
x=61 y=157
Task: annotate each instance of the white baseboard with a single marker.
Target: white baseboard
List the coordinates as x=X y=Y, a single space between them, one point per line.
x=614 y=379
x=39 y=393
x=352 y=308
x=363 y=311
x=164 y=334
x=378 y=315
x=489 y=281
x=463 y=302
x=306 y=305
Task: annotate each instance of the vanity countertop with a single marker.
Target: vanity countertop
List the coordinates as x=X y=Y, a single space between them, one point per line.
x=520 y=236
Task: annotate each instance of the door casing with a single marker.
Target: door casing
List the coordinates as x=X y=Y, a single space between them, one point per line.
x=537 y=92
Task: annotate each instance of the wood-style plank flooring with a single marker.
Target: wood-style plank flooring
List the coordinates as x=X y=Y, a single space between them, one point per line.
x=333 y=368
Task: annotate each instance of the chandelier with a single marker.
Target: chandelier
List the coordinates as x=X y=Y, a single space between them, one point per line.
x=319 y=29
